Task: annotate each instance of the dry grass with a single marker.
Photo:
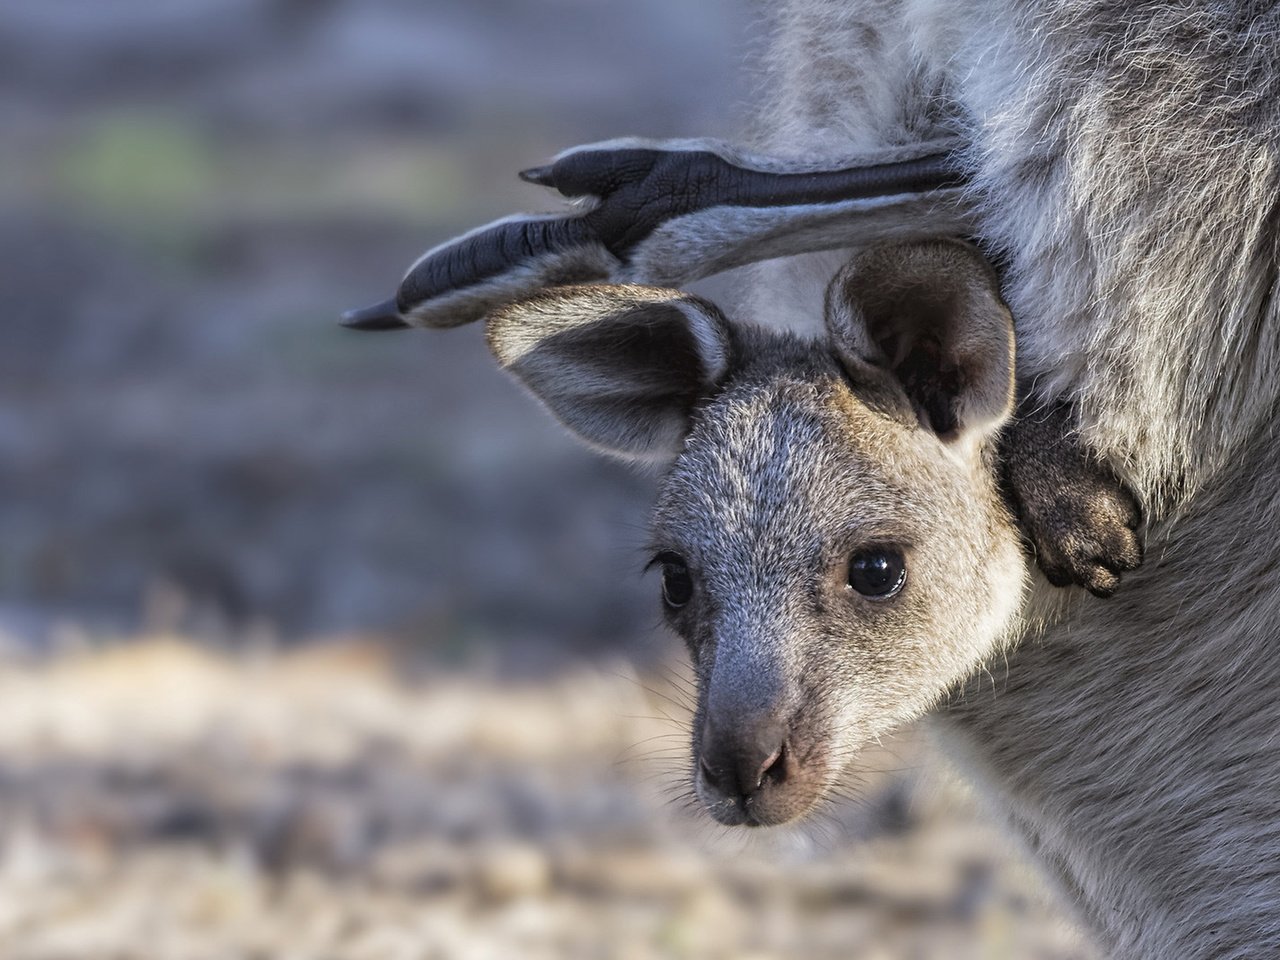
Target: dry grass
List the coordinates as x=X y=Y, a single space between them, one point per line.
x=162 y=801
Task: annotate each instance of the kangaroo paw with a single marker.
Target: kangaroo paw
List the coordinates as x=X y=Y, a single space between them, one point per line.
x=1081 y=520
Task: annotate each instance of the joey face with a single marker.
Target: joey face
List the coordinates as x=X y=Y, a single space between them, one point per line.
x=833 y=569
x=832 y=544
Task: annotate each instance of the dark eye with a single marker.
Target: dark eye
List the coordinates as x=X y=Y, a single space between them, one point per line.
x=878 y=572
x=677 y=584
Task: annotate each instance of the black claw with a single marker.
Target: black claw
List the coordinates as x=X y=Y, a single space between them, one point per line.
x=542 y=176
x=379 y=316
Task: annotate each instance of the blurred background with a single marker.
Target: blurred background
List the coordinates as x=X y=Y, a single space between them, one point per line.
x=316 y=644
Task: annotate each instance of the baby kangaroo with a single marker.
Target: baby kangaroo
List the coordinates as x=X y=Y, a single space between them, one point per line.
x=833 y=535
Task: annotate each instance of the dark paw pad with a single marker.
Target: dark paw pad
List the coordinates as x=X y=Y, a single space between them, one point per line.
x=1084 y=529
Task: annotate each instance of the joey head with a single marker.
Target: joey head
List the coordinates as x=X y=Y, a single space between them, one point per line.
x=834 y=545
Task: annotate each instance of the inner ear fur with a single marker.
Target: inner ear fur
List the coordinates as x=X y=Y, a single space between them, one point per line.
x=622 y=366
x=929 y=317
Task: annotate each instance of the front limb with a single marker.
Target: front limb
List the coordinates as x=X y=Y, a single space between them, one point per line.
x=1077 y=515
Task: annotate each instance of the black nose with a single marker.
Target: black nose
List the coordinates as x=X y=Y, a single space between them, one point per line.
x=741 y=760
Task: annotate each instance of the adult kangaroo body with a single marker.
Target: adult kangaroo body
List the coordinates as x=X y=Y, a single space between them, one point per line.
x=1127 y=157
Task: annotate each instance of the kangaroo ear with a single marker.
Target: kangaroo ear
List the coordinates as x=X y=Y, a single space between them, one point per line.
x=928 y=316
x=621 y=366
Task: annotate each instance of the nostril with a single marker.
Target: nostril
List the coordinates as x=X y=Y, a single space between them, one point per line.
x=774 y=768
x=708 y=774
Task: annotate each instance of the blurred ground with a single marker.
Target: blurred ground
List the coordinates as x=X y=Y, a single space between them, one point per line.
x=164 y=802
x=190 y=193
